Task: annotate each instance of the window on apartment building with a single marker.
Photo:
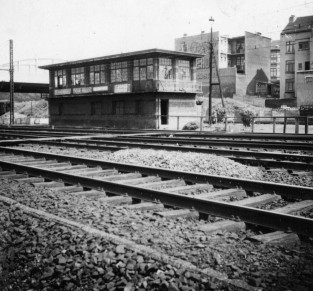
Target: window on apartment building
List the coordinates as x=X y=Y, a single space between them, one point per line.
x=118 y=107
x=78 y=76
x=290 y=47
x=290 y=66
x=60 y=78
x=119 y=72
x=239 y=47
x=275 y=58
x=304 y=45
x=143 y=69
x=290 y=85
x=307 y=66
x=240 y=64
x=183 y=70
x=98 y=74
x=273 y=72
x=308 y=79
x=299 y=66
x=165 y=69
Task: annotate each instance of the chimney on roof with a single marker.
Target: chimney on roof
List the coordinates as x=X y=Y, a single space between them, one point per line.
x=292 y=18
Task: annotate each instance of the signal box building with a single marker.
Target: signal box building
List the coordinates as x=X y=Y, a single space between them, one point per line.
x=143 y=89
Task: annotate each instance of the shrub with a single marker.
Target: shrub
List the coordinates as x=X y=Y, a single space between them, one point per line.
x=191 y=126
x=220 y=114
x=246 y=117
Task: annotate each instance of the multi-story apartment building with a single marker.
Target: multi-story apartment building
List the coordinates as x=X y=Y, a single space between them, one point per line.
x=275 y=67
x=243 y=61
x=275 y=60
x=297 y=60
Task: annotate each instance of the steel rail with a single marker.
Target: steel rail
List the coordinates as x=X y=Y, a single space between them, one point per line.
x=228 y=143
x=273 y=136
x=25 y=133
x=290 y=191
x=265 y=218
x=221 y=152
x=197 y=134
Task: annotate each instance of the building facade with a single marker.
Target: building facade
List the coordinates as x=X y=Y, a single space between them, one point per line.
x=275 y=68
x=243 y=62
x=297 y=60
x=144 y=89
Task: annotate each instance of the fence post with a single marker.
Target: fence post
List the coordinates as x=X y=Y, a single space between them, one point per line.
x=285 y=124
x=306 y=126
x=226 y=123
x=252 y=125
x=296 y=125
x=274 y=124
x=177 y=122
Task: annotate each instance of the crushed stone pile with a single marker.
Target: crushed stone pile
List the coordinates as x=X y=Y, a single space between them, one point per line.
x=191 y=162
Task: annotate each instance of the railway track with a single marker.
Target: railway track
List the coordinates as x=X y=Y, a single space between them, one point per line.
x=165 y=186
x=293 y=162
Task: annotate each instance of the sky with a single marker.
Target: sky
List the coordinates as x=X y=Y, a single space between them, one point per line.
x=65 y=30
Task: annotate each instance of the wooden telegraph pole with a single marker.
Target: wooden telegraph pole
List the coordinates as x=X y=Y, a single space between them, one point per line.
x=211 y=61
x=11 y=84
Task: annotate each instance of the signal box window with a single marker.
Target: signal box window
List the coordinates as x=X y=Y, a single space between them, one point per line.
x=143 y=69
x=78 y=76
x=98 y=75
x=119 y=72
x=60 y=78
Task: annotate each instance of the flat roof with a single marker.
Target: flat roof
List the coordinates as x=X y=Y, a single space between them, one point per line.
x=142 y=53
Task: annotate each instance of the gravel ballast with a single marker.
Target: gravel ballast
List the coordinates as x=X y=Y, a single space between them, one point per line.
x=181 y=161
x=262 y=266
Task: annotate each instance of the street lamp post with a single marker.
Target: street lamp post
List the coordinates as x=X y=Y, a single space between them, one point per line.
x=211 y=61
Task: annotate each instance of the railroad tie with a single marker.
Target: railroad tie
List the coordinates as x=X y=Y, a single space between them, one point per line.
x=51 y=184
x=117 y=200
x=140 y=181
x=235 y=226
x=165 y=184
x=68 y=189
x=217 y=195
x=94 y=194
x=30 y=180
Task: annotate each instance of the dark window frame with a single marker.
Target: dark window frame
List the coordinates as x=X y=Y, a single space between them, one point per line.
x=143 y=69
x=290 y=67
x=78 y=76
x=118 y=107
x=290 y=47
x=304 y=45
x=60 y=79
x=290 y=85
x=100 y=73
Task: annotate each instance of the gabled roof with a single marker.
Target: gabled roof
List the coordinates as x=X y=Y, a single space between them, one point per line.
x=304 y=23
x=125 y=56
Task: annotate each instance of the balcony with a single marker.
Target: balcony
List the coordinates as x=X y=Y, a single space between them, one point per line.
x=132 y=87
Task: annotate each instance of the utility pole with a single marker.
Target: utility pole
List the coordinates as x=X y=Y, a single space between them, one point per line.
x=211 y=61
x=11 y=84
